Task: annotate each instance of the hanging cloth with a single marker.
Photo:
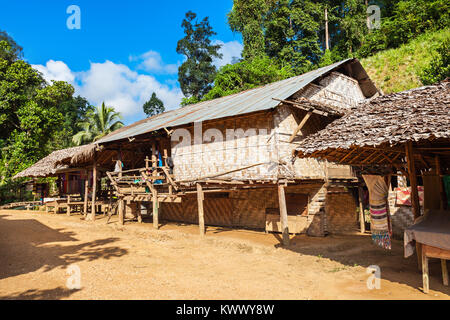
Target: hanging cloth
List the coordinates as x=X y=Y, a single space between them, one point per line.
x=379 y=215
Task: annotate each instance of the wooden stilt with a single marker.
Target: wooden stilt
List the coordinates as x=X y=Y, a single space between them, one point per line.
x=86 y=191
x=443 y=198
x=283 y=214
x=444 y=272
x=362 y=221
x=121 y=209
x=155 y=210
x=201 y=214
x=139 y=214
x=425 y=273
x=419 y=255
x=413 y=180
x=94 y=189
x=68 y=205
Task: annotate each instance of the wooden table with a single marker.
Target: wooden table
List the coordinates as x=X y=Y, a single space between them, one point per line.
x=433 y=252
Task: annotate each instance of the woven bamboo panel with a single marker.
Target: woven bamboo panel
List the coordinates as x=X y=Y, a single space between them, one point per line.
x=341 y=212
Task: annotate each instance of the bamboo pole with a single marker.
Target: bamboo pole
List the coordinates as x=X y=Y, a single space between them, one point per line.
x=121 y=210
x=201 y=213
x=86 y=191
x=443 y=197
x=361 y=210
x=283 y=214
x=413 y=180
x=155 y=209
x=94 y=189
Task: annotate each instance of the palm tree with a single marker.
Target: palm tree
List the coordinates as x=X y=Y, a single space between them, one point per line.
x=100 y=122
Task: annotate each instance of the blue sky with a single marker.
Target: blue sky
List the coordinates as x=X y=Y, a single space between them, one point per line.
x=124 y=50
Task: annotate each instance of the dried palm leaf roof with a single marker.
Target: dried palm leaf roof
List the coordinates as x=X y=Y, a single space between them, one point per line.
x=413 y=115
x=48 y=165
x=370 y=134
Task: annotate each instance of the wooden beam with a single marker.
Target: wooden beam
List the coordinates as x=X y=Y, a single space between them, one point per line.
x=94 y=188
x=283 y=214
x=300 y=126
x=201 y=213
x=139 y=213
x=425 y=273
x=86 y=191
x=362 y=224
x=412 y=179
x=121 y=209
x=443 y=198
x=155 y=209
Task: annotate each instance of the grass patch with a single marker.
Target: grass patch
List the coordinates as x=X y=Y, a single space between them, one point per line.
x=398 y=69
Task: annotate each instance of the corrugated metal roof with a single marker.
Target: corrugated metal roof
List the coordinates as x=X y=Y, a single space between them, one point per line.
x=257 y=99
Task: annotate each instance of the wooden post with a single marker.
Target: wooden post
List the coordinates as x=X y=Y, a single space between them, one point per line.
x=139 y=214
x=201 y=213
x=443 y=197
x=413 y=180
x=154 y=161
x=86 y=191
x=425 y=273
x=444 y=272
x=121 y=209
x=283 y=214
x=155 y=210
x=68 y=205
x=94 y=189
x=362 y=221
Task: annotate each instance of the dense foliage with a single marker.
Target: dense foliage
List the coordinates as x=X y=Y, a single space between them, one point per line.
x=439 y=67
x=36 y=117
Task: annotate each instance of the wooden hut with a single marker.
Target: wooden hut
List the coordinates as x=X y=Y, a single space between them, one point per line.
x=387 y=131
x=407 y=134
x=73 y=183
x=229 y=161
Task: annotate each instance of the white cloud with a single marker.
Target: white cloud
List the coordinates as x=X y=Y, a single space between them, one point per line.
x=115 y=84
x=55 y=70
x=229 y=50
x=151 y=61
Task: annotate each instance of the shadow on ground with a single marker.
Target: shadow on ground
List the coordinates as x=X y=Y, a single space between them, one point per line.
x=359 y=250
x=26 y=245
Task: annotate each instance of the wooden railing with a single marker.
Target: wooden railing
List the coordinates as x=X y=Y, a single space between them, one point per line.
x=143 y=181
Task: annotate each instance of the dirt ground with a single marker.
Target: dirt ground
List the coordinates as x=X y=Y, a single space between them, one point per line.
x=136 y=262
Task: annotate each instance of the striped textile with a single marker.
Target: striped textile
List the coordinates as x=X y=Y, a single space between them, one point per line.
x=379 y=215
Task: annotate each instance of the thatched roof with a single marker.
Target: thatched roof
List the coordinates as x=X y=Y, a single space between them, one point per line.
x=48 y=165
x=419 y=115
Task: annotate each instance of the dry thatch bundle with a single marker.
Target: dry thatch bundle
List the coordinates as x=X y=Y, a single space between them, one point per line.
x=414 y=115
x=48 y=165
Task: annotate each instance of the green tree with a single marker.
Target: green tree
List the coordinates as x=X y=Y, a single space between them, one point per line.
x=14 y=52
x=247 y=18
x=153 y=106
x=245 y=75
x=100 y=122
x=197 y=73
x=439 y=68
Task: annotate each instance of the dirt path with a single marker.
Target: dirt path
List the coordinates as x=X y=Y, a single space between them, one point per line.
x=137 y=262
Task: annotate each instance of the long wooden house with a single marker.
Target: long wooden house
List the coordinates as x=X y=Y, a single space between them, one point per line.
x=230 y=162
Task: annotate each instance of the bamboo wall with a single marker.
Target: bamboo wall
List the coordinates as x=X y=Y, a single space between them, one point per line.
x=262 y=138
x=336 y=89
x=249 y=208
x=251 y=146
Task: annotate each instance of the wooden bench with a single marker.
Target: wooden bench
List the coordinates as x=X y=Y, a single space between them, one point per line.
x=437 y=253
